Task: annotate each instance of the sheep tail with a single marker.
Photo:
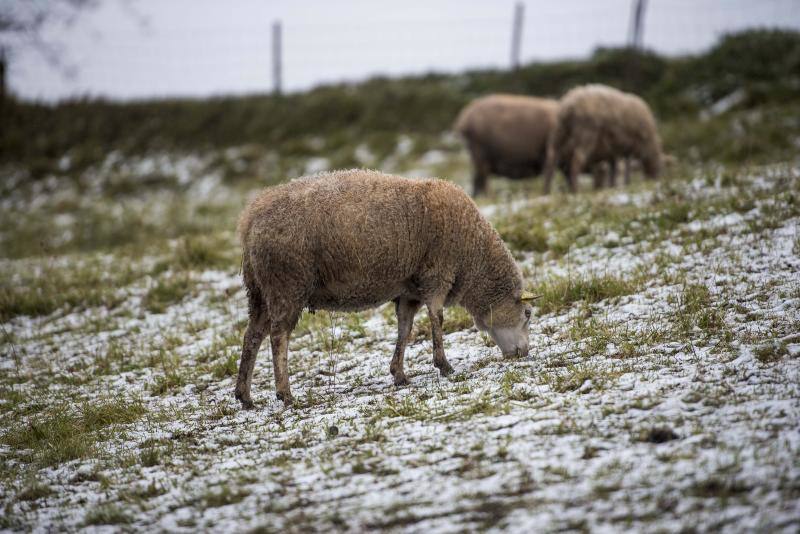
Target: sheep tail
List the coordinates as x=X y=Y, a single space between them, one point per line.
x=255 y=298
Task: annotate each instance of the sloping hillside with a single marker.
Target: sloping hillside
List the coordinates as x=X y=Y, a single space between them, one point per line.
x=663 y=383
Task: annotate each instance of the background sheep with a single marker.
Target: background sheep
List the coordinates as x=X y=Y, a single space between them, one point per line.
x=506 y=135
x=599 y=124
x=351 y=240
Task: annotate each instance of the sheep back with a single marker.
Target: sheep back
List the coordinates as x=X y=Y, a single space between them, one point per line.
x=350 y=240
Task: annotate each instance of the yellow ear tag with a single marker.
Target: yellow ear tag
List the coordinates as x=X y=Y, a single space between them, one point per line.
x=527 y=296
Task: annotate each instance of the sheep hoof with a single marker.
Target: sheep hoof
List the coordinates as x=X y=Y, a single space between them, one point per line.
x=247 y=402
x=400 y=380
x=286 y=397
x=446 y=369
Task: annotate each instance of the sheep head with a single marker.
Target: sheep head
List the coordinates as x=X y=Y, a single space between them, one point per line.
x=507 y=322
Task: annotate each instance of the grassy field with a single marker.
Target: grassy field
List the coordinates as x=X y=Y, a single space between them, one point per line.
x=663 y=387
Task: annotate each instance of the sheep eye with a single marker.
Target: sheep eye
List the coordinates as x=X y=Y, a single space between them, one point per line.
x=527 y=313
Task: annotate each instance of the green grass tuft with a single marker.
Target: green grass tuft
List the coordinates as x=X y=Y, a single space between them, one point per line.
x=106 y=514
x=82 y=285
x=520 y=234
x=206 y=252
x=771 y=352
x=172 y=376
x=66 y=434
x=223 y=496
x=411 y=407
x=34 y=490
x=560 y=292
x=168 y=291
x=696 y=310
x=228 y=366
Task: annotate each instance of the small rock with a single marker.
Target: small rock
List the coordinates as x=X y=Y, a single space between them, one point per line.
x=590 y=451
x=660 y=434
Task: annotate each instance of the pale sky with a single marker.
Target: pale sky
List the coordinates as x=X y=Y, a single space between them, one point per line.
x=157 y=48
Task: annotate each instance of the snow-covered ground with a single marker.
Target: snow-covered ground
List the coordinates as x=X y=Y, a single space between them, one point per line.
x=670 y=404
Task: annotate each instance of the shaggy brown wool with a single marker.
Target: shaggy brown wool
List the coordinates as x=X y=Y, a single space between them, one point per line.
x=599 y=124
x=506 y=135
x=351 y=240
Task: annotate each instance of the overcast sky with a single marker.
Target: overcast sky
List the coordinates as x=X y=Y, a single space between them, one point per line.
x=145 y=48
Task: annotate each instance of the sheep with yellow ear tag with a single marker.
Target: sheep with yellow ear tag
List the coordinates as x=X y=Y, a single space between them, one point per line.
x=352 y=240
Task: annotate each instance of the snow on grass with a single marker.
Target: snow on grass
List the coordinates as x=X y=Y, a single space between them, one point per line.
x=662 y=390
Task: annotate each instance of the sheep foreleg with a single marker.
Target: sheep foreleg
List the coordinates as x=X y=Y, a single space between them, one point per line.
x=436 y=316
x=612 y=177
x=405 y=310
x=575 y=168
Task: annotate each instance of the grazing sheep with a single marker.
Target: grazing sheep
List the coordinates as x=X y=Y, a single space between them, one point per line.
x=598 y=125
x=351 y=240
x=506 y=135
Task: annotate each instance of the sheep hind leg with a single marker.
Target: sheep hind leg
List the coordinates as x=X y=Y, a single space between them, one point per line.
x=599 y=176
x=279 y=339
x=575 y=168
x=405 y=310
x=549 y=167
x=436 y=316
x=254 y=335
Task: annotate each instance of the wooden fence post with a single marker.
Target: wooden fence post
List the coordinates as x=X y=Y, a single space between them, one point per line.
x=516 y=34
x=277 y=75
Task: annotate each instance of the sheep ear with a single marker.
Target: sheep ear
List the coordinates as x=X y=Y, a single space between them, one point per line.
x=527 y=296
